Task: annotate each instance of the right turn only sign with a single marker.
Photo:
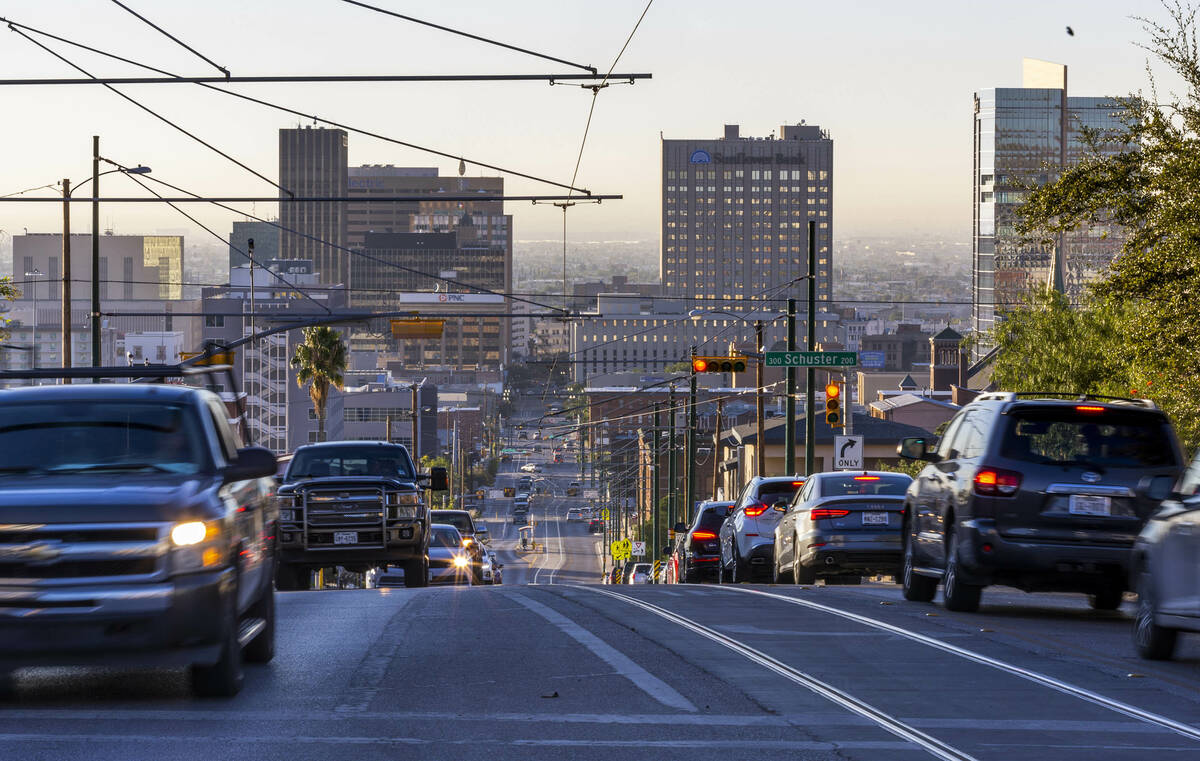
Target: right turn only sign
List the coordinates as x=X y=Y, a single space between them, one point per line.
x=848 y=452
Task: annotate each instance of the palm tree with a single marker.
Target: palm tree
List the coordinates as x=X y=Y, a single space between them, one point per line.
x=320 y=361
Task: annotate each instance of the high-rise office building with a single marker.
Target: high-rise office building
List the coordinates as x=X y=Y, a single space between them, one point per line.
x=313 y=163
x=1028 y=135
x=735 y=213
x=266 y=243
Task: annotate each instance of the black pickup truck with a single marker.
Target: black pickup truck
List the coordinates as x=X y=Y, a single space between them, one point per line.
x=133 y=531
x=355 y=504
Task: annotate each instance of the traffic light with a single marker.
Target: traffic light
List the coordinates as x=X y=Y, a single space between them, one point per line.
x=718 y=364
x=833 y=404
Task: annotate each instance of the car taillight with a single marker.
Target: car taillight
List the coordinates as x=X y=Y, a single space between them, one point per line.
x=703 y=535
x=827 y=512
x=993 y=481
x=756 y=510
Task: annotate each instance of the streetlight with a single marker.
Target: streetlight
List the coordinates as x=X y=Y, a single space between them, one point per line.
x=67 y=191
x=34 y=274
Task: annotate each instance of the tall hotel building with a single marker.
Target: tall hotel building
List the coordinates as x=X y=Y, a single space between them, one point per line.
x=1022 y=135
x=735 y=213
x=313 y=163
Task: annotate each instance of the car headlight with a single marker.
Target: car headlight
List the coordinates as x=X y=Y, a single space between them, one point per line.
x=460 y=561
x=410 y=498
x=197 y=545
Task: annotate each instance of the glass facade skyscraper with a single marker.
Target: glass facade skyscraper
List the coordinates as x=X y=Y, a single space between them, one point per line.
x=1023 y=136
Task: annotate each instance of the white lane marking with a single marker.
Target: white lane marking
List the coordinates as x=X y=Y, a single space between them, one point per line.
x=562 y=556
x=934 y=746
x=1096 y=698
x=621 y=663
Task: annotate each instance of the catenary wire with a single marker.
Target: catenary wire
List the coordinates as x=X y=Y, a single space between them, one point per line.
x=151 y=111
x=174 y=39
x=294 y=112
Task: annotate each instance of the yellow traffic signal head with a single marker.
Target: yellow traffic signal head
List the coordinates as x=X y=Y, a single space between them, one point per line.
x=718 y=364
x=699 y=365
x=832 y=391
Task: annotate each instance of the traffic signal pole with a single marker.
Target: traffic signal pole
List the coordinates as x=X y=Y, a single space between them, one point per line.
x=656 y=549
x=672 y=482
x=691 y=446
x=789 y=433
x=760 y=413
x=810 y=402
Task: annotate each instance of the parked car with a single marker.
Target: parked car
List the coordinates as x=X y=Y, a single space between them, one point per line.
x=449 y=560
x=596 y=526
x=1166 y=570
x=639 y=574
x=135 y=532
x=1036 y=493
x=355 y=504
x=461 y=520
x=747 y=536
x=697 y=548
x=842 y=526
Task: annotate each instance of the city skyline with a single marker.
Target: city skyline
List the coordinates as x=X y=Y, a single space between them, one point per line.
x=871 y=105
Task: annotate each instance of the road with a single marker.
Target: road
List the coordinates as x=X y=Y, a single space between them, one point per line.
x=551 y=665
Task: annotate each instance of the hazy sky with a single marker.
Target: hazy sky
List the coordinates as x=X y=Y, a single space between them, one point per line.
x=891 y=81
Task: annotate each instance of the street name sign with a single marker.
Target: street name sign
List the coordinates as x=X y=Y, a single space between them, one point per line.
x=848 y=452
x=811 y=358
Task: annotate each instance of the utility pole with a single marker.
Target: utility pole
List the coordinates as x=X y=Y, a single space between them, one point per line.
x=416 y=432
x=66 y=273
x=789 y=402
x=388 y=435
x=691 y=444
x=760 y=413
x=95 y=253
x=656 y=550
x=810 y=420
x=672 y=482
x=716 y=450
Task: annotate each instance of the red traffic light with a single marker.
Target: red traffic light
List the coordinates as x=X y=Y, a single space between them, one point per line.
x=699 y=365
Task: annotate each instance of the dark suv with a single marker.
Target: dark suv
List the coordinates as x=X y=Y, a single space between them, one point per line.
x=697 y=547
x=357 y=504
x=1037 y=493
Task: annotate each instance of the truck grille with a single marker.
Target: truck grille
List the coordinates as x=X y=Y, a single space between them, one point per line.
x=367 y=511
x=68 y=553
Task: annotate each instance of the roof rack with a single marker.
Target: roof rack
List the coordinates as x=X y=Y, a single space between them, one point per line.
x=1012 y=396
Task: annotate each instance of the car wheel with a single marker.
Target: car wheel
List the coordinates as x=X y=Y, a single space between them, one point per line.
x=722 y=574
x=261 y=649
x=1153 y=642
x=955 y=594
x=290 y=578
x=804 y=575
x=222 y=679
x=779 y=576
x=916 y=588
x=737 y=574
x=1108 y=598
x=416 y=572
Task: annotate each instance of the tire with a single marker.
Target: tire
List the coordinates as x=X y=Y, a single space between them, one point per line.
x=1108 y=598
x=290 y=578
x=956 y=595
x=722 y=574
x=737 y=574
x=804 y=575
x=915 y=587
x=1153 y=642
x=416 y=572
x=222 y=679
x=778 y=576
x=261 y=649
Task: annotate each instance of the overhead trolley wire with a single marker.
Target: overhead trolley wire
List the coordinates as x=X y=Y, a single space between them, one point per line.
x=15 y=26
x=475 y=37
x=174 y=39
x=150 y=111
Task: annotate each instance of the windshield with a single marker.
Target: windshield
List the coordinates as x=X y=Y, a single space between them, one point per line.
x=460 y=521
x=446 y=537
x=323 y=462
x=850 y=484
x=90 y=436
x=773 y=490
x=1111 y=438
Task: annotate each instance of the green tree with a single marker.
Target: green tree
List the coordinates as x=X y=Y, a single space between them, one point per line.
x=320 y=362
x=1151 y=189
x=8 y=292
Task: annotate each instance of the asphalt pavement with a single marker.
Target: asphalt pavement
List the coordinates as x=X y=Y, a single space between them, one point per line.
x=551 y=665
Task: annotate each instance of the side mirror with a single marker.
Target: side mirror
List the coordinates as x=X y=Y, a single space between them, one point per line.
x=438 y=480
x=681 y=528
x=916 y=448
x=251 y=462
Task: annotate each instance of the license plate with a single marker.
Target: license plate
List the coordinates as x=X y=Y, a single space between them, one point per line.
x=874 y=519
x=345 y=537
x=1089 y=504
